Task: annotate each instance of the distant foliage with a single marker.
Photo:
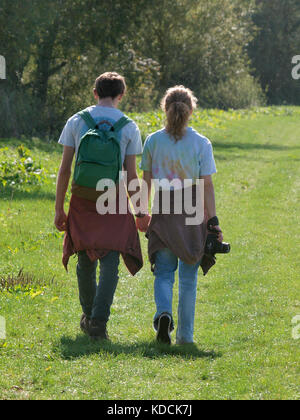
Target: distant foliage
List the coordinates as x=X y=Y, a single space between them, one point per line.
x=271 y=51
x=205 y=45
x=238 y=92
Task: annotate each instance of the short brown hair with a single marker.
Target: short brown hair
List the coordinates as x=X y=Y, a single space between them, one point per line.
x=178 y=103
x=110 y=85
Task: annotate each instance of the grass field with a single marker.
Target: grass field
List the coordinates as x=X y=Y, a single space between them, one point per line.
x=245 y=306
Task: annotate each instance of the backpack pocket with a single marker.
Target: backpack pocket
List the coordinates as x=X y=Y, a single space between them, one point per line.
x=88 y=174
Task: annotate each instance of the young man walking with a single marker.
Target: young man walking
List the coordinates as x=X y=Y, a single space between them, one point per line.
x=90 y=235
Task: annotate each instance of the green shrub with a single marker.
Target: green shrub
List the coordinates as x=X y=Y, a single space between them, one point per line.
x=19 y=169
x=238 y=92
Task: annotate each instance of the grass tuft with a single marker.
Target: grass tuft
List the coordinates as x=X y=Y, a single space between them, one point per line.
x=23 y=281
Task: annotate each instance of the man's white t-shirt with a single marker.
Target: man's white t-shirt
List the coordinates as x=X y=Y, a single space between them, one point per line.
x=130 y=143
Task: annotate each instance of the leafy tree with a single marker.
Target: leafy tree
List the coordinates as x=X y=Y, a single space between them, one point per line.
x=202 y=44
x=65 y=33
x=56 y=48
x=277 y=41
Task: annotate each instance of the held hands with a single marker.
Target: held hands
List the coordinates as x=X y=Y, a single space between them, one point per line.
x=61 y=220
x=143 y=222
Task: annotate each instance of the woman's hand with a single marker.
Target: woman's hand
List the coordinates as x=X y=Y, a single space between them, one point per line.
x=220 y=234
x=213 y=227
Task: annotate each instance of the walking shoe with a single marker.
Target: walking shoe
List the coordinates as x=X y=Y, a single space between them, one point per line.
x=164 y=329
x=97 y=330
x=84 y=324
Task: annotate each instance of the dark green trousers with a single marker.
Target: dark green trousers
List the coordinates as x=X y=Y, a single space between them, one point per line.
x=96 y=299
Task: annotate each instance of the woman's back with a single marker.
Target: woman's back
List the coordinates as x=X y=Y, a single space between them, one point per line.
x=187 y=158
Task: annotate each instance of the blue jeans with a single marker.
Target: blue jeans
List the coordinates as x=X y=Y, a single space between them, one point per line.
x=96 y=300
x=166 y=264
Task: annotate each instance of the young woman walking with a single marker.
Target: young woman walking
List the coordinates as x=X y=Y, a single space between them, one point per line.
x=178 y=152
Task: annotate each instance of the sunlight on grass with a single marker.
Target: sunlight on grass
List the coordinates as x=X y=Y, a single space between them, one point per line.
x=245 y=348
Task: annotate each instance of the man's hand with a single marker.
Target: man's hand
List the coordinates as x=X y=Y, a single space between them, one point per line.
x=61 y=220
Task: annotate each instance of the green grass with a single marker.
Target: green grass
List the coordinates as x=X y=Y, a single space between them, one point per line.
x=245 y=306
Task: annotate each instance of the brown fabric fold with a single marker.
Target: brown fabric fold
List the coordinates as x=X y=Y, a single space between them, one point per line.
x=87 y=193
x=99 y=234
x=186 y=242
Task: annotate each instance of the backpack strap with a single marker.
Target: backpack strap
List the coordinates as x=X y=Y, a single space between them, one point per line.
x=86 y=116
x=121 y=124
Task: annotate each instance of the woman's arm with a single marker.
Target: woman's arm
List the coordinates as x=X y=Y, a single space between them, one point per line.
x=210 y=201
x=209 y=197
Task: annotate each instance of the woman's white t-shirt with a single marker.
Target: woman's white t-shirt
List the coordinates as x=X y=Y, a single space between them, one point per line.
x=187 y=159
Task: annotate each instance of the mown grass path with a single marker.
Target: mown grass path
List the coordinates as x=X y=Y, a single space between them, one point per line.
x=245 y=307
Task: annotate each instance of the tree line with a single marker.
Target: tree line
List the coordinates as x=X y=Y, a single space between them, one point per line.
x=231 y=53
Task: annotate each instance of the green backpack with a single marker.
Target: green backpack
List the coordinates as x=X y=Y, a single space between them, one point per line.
x=99 y=153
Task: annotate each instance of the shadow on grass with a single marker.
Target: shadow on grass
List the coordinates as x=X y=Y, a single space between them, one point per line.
x=70 y=348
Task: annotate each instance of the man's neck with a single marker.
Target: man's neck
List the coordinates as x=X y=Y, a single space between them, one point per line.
x=108 y=102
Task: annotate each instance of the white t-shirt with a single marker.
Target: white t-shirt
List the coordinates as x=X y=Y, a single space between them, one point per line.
x=187 y=159
x=130 y=143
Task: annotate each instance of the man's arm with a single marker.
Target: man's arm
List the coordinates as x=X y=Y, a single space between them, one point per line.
x=63 y=179
x=143 y=222
x=130 y=168
x=210 y=201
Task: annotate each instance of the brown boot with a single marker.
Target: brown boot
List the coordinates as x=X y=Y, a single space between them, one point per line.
x=97 y=330
x=85 y=324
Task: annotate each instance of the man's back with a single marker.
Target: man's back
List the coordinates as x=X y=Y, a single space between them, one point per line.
x=75 y=128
